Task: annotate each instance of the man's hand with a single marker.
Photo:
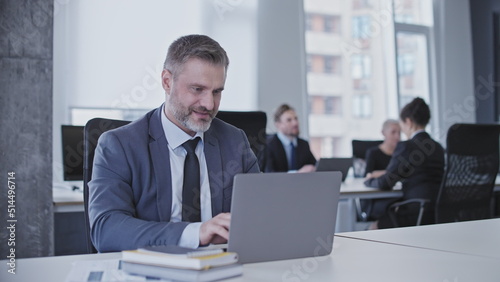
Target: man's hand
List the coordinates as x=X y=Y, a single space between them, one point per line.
x=215 y=230
x=307 y=168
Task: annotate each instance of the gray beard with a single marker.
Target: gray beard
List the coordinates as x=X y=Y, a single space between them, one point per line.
x=183 y=118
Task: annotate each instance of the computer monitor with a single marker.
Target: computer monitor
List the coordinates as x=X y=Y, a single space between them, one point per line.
x=72 y=152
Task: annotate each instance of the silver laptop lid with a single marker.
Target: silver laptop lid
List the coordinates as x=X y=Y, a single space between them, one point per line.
x=283 y=215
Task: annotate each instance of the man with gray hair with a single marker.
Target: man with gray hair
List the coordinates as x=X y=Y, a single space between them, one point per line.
x=166 y=178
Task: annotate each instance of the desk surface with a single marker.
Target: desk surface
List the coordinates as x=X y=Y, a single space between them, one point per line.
x=355 y=188
x=351 y=260
x=478 y=238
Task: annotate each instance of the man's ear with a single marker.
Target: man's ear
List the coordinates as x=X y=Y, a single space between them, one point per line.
x=167 y=80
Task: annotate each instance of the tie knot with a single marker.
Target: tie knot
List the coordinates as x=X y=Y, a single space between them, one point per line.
x=291 y=145
x=190 y=145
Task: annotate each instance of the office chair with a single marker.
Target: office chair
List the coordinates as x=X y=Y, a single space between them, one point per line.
x=472 y=159
x=472 y=162
x=91 y=133
x=254 y=124
x=359 y=148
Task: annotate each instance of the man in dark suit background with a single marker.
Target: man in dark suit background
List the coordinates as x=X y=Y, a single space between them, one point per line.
x=137 y=196
x=286 y=151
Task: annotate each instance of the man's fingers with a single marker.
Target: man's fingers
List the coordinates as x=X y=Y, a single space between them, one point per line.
x=216 y=229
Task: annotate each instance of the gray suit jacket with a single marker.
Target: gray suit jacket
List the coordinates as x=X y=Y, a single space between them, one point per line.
x=130 y=194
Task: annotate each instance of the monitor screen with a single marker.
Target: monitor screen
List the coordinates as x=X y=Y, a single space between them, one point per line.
x=72 y=152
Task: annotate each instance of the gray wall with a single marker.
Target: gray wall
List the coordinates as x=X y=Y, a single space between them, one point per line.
x=486 y=86
x=281 y=68
x=26 y=125
x=454 y=101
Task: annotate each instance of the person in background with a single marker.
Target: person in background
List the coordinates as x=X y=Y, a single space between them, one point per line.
x=167 y=178
x=418 y=163
x=286 y=151
x=377 y=158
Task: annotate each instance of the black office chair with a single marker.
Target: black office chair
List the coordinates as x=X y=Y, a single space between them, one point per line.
x=359 y=148
x=254 y=124
x=91 y=133
x=472 y=159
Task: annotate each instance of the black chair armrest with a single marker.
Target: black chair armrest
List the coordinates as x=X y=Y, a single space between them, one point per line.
x=393 y=209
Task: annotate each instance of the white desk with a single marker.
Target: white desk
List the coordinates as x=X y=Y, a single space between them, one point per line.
x=479 y=238
x=351 y=260
x=67 y=200
x=355 y=188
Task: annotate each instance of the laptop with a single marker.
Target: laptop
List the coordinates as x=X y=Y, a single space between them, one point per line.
x=335 y=164
x=279 y=216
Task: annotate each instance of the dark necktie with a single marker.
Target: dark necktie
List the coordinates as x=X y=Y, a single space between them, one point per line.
x=191 y=210
x=293 y=157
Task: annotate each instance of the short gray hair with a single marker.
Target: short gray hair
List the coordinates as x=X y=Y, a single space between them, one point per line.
x=388 y=123
x=194 y=46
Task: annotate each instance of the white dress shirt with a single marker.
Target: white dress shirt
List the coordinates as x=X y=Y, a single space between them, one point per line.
x=176 y=137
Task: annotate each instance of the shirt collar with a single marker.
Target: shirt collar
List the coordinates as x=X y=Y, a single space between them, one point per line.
x=285 y=140
x=175 y=136
x=416 y=132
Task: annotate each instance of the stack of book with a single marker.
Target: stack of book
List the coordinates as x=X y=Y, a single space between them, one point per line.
x=181 y=264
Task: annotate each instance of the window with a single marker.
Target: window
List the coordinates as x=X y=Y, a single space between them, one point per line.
x=362 y=106
x=412 y=28
x=417 y=12
x=323 y=23
x=361 y=4
x=360 y=66
x=333 y=106
x=325 y=105
x=332 y=64
x=386 y=53
x=332 y=24
x=406 y=64
x=360 y=27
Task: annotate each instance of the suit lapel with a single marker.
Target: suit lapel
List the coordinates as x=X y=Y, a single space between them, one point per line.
x=215 y=171
x=158 y=149
x=280 y=153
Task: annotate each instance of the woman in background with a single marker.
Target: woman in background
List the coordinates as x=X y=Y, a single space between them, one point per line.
x=377 y=158
x=418 y=163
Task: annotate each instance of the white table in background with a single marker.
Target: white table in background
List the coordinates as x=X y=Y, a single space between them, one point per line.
x=478 y=238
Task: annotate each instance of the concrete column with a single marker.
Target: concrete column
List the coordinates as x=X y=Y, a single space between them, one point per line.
x=26 y=29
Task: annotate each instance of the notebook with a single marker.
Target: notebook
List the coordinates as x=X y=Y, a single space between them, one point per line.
x=335 y=164
x=279 y=216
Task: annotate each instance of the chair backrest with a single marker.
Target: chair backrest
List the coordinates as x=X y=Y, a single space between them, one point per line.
x=254 y=124
x=91 y=133
x=472 y=162
x=359 y=148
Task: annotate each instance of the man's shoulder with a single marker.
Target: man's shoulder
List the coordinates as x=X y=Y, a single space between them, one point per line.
x=273 y=139
x=302 y=141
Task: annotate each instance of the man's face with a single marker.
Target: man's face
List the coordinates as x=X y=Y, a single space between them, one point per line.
x=288 y=124
x=193 y=97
